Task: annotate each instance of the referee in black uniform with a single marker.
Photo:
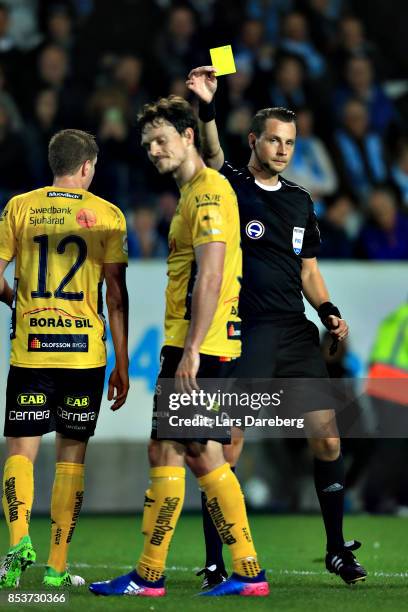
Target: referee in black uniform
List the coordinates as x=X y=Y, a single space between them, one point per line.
x=280 y=241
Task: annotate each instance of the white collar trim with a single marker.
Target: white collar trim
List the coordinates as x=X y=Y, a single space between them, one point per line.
x=269 y=187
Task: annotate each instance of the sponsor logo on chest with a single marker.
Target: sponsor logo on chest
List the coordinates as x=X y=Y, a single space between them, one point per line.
x=58 y=343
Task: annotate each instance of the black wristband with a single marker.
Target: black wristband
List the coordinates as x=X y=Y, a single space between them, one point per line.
x=325 y=310
x=206 y=112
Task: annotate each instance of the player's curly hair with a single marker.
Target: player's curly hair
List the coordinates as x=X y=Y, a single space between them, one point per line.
x=69 y=149
x=276 y=112
x=174 y=110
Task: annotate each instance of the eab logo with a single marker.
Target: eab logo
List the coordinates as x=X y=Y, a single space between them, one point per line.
x=76 y=402
x=31 y=399
x=297 y=239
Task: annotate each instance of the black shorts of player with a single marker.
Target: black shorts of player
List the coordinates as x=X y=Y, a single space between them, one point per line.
x=211 y=367
x=67 y=401
x=280 y=350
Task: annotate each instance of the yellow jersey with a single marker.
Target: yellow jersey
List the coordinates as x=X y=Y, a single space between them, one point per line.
x=60 y=239
x=207 y=212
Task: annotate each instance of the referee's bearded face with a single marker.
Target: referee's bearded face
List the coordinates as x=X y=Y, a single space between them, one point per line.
x=275 y=146
x=165 y=147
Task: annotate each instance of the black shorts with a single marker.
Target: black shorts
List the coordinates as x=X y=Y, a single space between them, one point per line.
x=280 y=350
x=284 y=357
x=67 y=401
x=211 y=367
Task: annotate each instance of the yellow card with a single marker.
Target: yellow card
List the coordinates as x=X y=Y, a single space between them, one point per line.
x=223 y=60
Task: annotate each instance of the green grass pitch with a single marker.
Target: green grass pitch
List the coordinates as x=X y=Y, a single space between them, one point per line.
x=290 y=547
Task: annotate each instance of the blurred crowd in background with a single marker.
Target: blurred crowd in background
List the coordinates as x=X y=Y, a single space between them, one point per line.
x=340 y=64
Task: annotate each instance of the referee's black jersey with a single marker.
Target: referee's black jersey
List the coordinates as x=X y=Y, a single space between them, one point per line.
x=278 y=228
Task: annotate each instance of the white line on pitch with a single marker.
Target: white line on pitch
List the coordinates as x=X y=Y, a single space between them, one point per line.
x=177 y=568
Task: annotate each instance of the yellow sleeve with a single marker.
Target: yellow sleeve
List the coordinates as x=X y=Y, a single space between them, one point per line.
x=209 y=215
x=116 y=249
x=8 y=231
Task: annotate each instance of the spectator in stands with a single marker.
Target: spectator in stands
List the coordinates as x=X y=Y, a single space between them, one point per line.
x=23 y=26
x=9 y=54
x=178 y=48
x=322 y=17
x=144 y=240
x=288 y=88
x=166 y=207
x=60 y=27
x=84 y=8
x=128 y=76
x=296 y=40
x=53 y=73
x=9 y=104
x=239 y=88
x=399 y=171
x=269 y=12
x=227 y=20
x=14 y=171
x=104 y=98
x=352 y=42
x=252 y=49
x=291 y=88
x=360 y=85
x=6 y=41
x=38 y=133
x=115 y=159
x=311 y=166
x=384 y=235
x=361 y=156
x=336 y=242
x=177 y=87
x=204 y=10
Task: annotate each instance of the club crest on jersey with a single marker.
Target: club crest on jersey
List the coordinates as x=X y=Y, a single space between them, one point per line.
x=86 y=217
x=255 y=229
x=297 y=239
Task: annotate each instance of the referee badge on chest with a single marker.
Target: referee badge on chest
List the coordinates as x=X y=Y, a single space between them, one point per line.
x=297 y=239
x=255 y=229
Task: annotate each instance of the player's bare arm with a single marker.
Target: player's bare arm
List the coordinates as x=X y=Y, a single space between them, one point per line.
x=315 y=291
x=210 y=264
x=203 y=82
x=6 y=292
x=118 y=310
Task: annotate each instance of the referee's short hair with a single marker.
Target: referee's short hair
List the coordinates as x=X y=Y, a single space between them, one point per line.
x=174 y=110
x=69 y=149
x=276 y=112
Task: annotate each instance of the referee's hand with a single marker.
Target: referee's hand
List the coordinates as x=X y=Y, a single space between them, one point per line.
x=185 y=378
x=118 y=387
x=338 y=328
x=203 y=82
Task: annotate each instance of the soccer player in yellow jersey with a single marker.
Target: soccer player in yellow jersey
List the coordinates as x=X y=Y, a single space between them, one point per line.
x=65 y=242
x=201 y=334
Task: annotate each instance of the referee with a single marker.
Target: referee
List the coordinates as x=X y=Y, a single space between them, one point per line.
x=280 y=241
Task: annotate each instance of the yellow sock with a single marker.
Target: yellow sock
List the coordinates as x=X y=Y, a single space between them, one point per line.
x=66 y=502
x=163 y=503
x=18 y=495
x=226 y=505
